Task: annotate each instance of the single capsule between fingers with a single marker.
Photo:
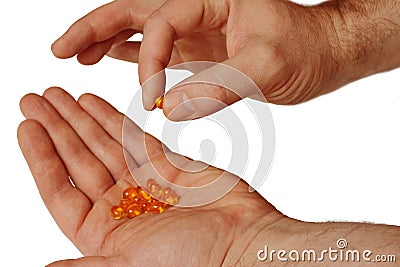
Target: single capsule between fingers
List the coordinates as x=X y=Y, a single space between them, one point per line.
x=159 y=102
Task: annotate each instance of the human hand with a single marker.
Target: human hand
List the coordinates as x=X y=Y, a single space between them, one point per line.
x=272 y=42
x=292 y=52
x=63 y=139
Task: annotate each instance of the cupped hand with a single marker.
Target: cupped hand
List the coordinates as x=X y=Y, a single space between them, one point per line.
x=292 y=52
x=74 y=151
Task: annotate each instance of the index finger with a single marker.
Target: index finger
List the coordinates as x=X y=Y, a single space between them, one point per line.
x=172 y=21
x=103 y=23
x=67 y=204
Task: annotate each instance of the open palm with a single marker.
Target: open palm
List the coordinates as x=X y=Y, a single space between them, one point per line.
x=74 y=151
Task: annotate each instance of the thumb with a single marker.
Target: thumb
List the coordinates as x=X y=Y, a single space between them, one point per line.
x=196 y=99
x=212 y=89
x=89 y=261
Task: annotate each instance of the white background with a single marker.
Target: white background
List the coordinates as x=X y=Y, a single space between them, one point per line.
x=337 y=157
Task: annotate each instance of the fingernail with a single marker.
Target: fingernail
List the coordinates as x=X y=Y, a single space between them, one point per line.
x=180 y=106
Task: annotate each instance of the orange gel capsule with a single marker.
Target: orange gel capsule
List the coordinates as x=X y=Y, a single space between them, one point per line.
x=157 y=193
x=133 y=211
x=117 y=212
x=172 y=200
x=159 y=102
x=168 y=192
x=136 y=200
x=170 y=196
x=158 y=207
x=129 y=193
x=143 y=194
x=154 y=188
x=152 y=184
x=124 y=203
x=146 y=206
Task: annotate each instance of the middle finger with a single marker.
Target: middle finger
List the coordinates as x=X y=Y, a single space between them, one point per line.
x=98 y=141
x=87 y=172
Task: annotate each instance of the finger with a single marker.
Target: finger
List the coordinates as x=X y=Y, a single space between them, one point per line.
x=141 y=146
x=211 y=88
x=99 y=142
x=87 y=172
x=197 y=100
x=89 y=261
x=95 y=52
x=127 y=51
x=66 y=203
x=246 y=74
x=174 y=19
x=103 y=23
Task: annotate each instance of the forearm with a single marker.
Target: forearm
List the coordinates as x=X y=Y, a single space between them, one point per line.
x=367 y=36
x=298 y=243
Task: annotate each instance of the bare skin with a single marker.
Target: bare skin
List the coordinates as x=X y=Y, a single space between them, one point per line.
x=64 y=138
x=292 y=52
x=274 y=43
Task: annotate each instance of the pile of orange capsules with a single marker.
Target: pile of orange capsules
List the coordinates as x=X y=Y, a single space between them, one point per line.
x=136 y=201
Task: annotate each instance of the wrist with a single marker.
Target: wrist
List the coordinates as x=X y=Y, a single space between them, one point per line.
x=366 y=36
x=268 y=230
x=302 y=243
